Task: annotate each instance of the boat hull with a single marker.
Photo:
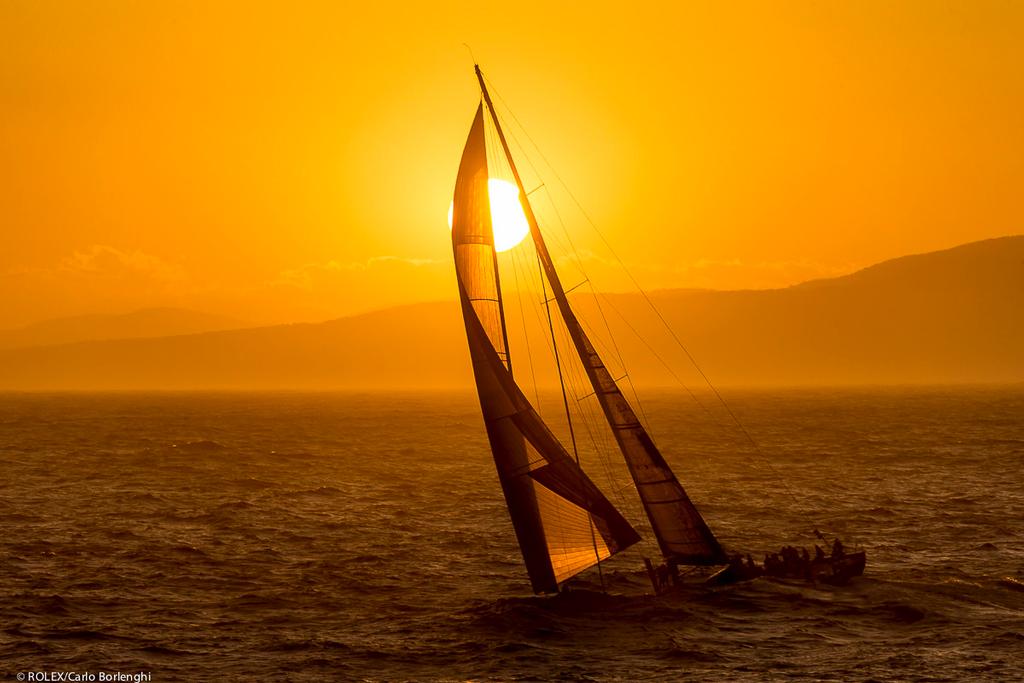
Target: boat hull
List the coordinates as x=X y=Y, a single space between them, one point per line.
x=834 y=571
x=838 y=570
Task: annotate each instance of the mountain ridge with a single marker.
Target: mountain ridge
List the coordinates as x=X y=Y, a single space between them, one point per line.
x=950 y=316
x=160 y=321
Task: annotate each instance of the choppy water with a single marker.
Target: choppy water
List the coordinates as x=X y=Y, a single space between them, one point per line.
x=336 y=537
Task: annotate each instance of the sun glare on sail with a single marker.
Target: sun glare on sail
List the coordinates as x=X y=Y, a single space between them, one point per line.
x=507 y=217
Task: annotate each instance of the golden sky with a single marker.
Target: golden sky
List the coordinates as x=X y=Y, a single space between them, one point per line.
x=295 y=161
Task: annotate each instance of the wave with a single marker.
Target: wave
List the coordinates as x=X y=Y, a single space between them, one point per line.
x=347 y=555
x=315 y=644
x=1012 y=583
x=201 y=446
x=79 y=634
x=166 y=651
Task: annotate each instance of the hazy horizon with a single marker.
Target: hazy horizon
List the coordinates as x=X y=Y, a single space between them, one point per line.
x=451 y=296
x=948 y=317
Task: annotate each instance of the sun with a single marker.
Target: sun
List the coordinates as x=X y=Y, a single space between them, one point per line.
x=507 y=217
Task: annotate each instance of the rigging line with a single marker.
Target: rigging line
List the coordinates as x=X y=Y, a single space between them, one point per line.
x=529 y=161
x=661 y=360
x=606 y=446
x=593 y=225
x=535 y=310
x=579 y=264
x=601 y=346
x=594 y=393
x=526 y=336
x=563 y=523
x=606 y=350
x=714 y=419
x=552 y=345
x=577 y=381
x=603 y=450
x=589 y=419
x=650 y=303
x=575 y=286
x=615 y=345
x=618 y=356
x=647 y=299
x=612 y=351
x=535 y=305
x=594 y=421
x=568 y=417
x=622 y=363
x=707 y=410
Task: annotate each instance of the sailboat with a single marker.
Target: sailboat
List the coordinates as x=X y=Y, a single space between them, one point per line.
x=563 y=522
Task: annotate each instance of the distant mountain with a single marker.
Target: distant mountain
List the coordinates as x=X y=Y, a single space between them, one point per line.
x=944 y=317
x=151 y=322
x=949 y=316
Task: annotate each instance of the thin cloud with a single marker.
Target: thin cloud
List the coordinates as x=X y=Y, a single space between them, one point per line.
x=310 y=275
x=106 y=261
x=703 y=273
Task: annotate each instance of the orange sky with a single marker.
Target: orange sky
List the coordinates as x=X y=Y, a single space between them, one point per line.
x=295 y=161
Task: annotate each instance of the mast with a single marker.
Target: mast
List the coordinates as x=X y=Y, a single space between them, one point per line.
x=554 y=506
x=532 y=221
x=682 y=533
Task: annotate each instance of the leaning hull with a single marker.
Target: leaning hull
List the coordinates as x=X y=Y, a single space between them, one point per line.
x=831 y=570
x=835 y=571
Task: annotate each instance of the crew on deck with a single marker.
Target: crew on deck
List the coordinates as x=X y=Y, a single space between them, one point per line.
x=793 y=562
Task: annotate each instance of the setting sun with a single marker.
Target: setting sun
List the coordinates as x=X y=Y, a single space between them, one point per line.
x=507 y=217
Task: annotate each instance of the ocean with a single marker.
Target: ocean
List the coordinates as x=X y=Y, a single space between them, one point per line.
x=343 y=536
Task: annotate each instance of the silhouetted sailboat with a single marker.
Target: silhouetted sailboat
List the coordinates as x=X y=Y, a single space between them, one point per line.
x=563 y=522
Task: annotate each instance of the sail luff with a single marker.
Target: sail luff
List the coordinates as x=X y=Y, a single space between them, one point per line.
x=683 y=535
x=479 y=293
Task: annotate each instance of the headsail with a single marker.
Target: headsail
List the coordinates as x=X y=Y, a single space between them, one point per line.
x=683 y=535
x=563 y=523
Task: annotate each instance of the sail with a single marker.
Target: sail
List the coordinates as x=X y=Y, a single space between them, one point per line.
x=682 y=533
x=563 y=523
